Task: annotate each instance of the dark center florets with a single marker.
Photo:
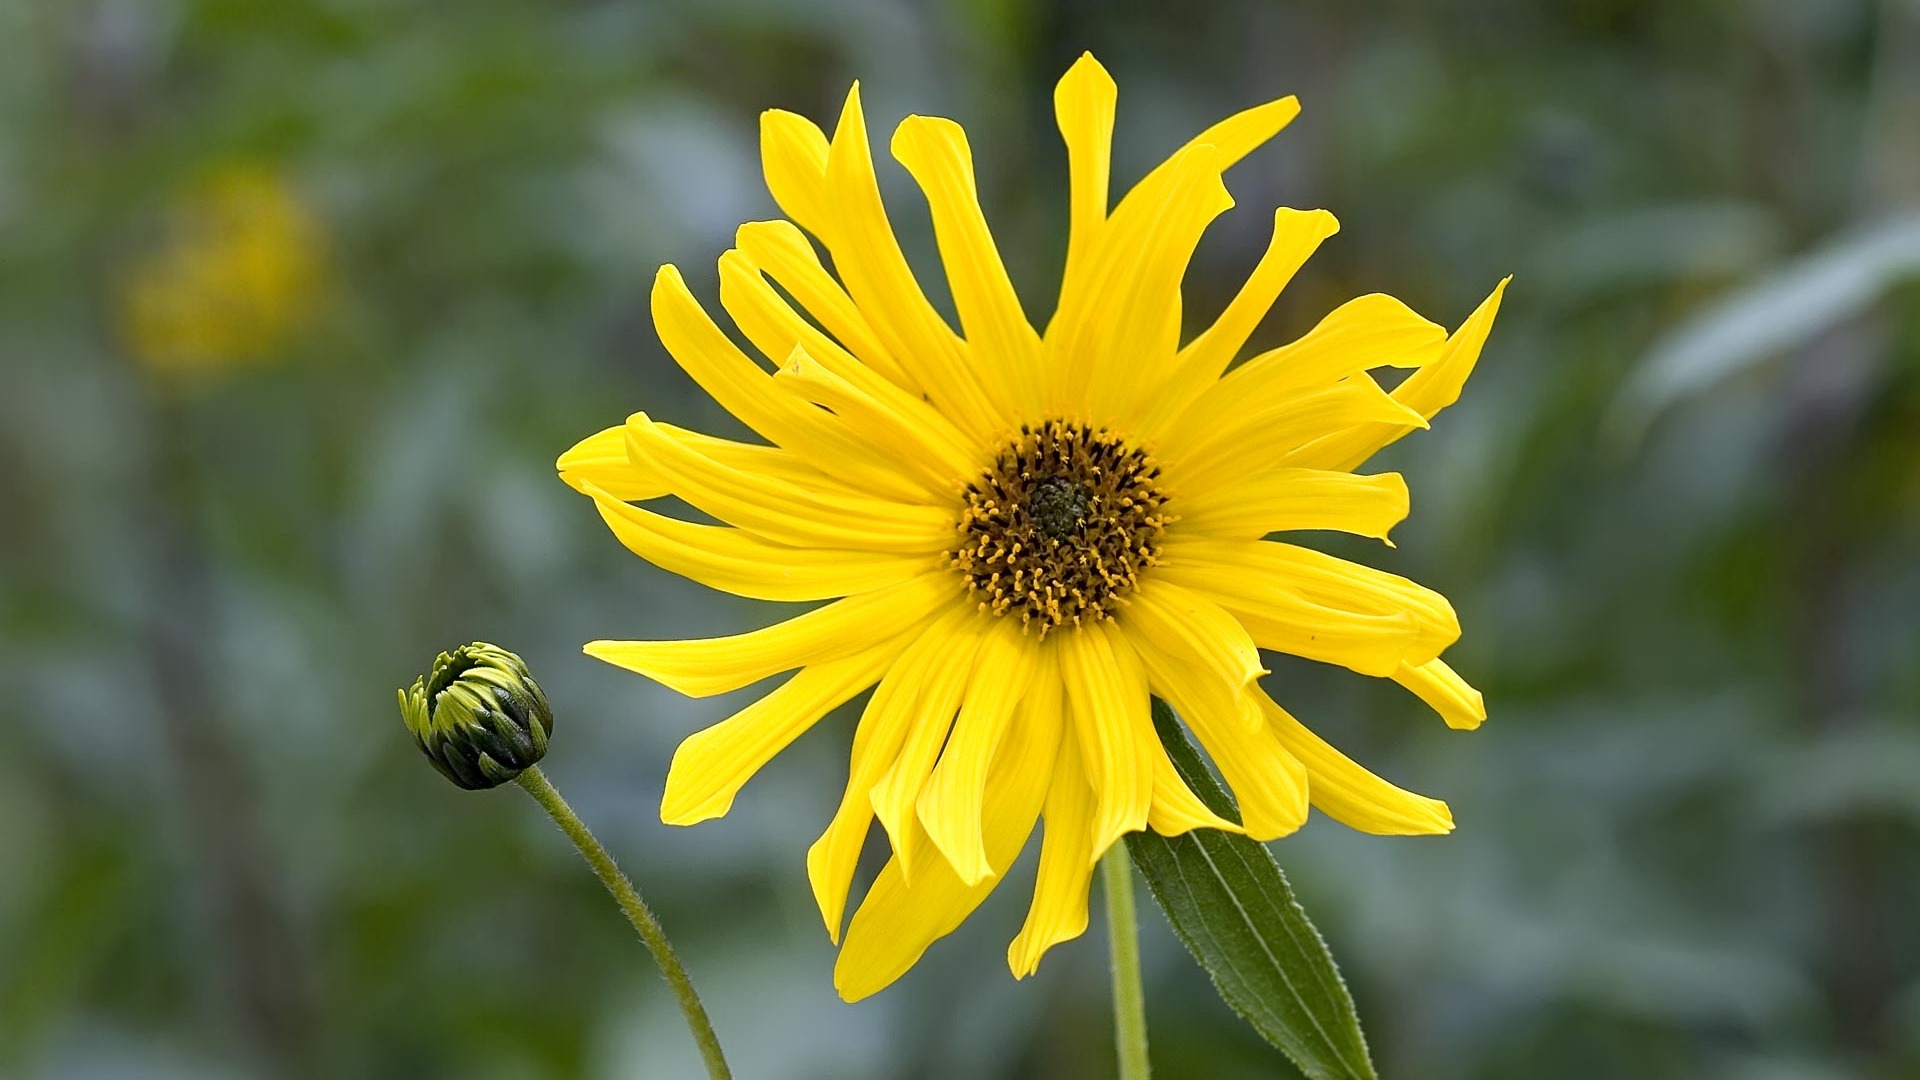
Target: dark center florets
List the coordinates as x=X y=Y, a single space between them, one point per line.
x=1059 y=528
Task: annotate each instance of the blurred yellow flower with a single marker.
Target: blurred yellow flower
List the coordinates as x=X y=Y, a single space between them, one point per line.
x=238 y=273
x=1032 y=530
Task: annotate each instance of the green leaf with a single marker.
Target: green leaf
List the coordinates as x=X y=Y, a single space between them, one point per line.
x=1231 y=906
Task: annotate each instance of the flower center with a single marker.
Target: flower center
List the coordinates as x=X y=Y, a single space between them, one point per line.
x=1059 y=528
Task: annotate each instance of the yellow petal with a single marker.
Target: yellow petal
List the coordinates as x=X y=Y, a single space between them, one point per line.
x=876 y=744
x=1059 y=909
x=1282 y=619
x=1426 y=392
x=941 y=691
x=600 y=461
x=950 y=804
x=1296 y=235
x=746 y=390
x=1198 y=632
x=1004 y=347
x=785 y=512
x=741 y=563
x=1109 y=709
x=708 y=666
x=922 y=441
x=1338 y=583
x=793 y=154
x=777 y=331
x=1113 y=340
x=712 y=765
x=1223 y=442
x=1437 y=385
x=878 y=277
x=1370 y=331
x=1176 y=809
x=783 y=253
x=1284 y=500
x=1232 y=139
x=897 y=920
x=1083 y=105
x=1348 y=793
x=1459 y=704
x=1270 y=785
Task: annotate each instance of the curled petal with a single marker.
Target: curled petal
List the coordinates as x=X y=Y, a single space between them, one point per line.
x=1350 y=794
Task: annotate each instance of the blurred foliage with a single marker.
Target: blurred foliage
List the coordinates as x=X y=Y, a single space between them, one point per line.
x=1687 y=842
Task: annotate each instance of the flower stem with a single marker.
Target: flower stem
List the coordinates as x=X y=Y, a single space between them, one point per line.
x=637 y=913
x=1123 y=941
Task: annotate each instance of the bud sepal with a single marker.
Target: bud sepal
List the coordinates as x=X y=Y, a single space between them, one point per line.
x=478 y=716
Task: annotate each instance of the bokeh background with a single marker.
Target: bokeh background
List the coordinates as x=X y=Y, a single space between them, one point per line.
x=300 y=299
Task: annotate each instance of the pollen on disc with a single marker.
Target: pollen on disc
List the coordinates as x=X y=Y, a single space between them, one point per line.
x=1058 y=530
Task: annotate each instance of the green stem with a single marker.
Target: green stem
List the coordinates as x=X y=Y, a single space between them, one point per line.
x=637 y=913
x=1123 y=941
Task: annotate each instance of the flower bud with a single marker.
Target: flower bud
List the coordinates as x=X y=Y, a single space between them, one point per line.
x=478 y=716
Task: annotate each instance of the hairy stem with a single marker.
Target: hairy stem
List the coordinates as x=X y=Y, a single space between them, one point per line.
x=637 y=912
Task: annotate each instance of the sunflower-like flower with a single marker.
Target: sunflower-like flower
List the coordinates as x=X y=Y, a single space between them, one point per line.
x=1027 y=534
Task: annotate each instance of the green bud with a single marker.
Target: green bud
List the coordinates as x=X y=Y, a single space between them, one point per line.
x=478 y=716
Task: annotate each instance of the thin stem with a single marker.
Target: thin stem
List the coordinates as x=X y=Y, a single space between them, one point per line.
x=637 y=913
x=1123 y=941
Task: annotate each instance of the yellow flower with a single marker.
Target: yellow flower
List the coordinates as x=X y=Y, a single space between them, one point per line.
x=239 y=272
x=1030 y=532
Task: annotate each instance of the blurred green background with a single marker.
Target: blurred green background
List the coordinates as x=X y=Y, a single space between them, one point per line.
x=1678 y=509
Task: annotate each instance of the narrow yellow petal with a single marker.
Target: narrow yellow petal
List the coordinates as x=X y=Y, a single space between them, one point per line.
x=784 y=254
x=878 y=277
x=708 y=666
x=597 y=458
x=784 y=512
x=777 y=331
x=1339 y=584
x=1285 y=500
x=793 y=154
x=923 y=442
x=1282 y=619
x=1236 y=441
x=941 y=691
x=600 y=461
x=1083 y=106
x=1459 y=704
x=1437 y=385
x=1232 y=139
x=1176 y=809
x=1112 y=341
x=1067 y=858
x=1270 y=785
x=1371 y=331
x=712 y=765
x=899 y=919
x=1350 y=794
x=746 y=390
x=741 y=563
x=1296 y=235
x=1425 y=392
x=1110 y=712
x=1198 y=632
x=950 y=804
x=1004 y=347
x=876 y=744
